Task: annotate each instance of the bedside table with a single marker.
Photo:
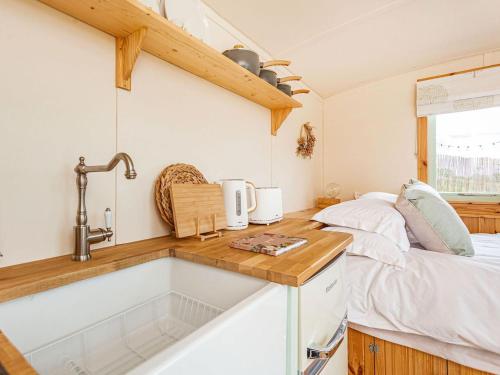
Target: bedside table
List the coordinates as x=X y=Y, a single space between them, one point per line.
x=323 y=202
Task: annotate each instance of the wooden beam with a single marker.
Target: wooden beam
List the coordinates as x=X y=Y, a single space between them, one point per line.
x=277 y=118
x=422 y=148
x=459 y=72
x=127 y=51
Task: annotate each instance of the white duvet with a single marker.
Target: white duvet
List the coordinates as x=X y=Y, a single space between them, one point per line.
x=450 y=298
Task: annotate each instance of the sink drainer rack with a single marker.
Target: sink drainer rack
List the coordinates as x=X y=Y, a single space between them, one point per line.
x=123 y=341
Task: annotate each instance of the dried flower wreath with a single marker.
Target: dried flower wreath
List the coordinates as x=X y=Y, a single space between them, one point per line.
x=306 y=141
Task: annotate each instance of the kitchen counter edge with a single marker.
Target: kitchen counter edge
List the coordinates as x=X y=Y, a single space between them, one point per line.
x=292 y=269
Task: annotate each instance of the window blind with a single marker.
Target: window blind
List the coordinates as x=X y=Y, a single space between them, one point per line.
x=461 y=92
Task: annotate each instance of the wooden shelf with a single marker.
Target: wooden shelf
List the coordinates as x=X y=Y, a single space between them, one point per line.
x=138 y=28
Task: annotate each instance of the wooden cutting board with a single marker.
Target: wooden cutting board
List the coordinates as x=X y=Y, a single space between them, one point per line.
x=194 y=204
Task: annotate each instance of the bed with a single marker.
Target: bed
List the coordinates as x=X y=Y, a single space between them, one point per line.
x=415 y=311
x=420 y=308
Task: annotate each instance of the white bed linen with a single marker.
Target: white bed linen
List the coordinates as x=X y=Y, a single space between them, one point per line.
x=449 y=298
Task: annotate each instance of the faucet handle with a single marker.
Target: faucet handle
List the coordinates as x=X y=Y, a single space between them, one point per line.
x=108 y=218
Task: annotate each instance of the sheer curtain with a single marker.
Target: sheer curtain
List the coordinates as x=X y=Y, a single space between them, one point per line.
x=462 y=174
x=467 y=153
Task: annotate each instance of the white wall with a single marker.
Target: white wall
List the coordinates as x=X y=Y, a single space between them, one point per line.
x=370 y=131
x=58 y=101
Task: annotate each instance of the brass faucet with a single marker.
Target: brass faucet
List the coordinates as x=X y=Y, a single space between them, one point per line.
x=84 y=236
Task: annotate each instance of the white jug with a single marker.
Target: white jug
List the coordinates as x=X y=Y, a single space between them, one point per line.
x=237 y=194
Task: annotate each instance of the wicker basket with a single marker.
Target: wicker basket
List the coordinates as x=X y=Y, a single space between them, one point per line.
x=174 y=174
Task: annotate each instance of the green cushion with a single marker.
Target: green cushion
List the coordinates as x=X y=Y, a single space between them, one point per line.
x=435 y=224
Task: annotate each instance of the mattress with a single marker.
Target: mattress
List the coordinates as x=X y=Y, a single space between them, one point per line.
x=446 y=298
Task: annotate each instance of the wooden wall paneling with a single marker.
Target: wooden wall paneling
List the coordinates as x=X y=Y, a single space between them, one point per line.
x=489 y=225
x=479 y=217
x=361 y=360
x=486 y=209
x=481 y=224
x=472 y=223
x=422 y=148
x=456 y=369
x=478 y=224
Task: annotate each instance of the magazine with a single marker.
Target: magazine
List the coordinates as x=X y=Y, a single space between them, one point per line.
x=268 y=243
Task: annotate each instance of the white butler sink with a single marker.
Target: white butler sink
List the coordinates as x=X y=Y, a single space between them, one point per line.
x=163 y=317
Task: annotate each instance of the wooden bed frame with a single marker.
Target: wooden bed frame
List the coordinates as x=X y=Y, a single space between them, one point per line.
x=369 y=355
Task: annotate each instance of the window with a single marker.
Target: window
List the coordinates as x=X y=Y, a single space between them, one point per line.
x=464 y=153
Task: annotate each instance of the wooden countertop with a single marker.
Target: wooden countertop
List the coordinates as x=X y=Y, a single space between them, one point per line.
x=34 y=277
x=11 y=361
x=292 y=268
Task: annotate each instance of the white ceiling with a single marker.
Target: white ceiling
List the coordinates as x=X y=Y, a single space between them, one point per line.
x=339 y=44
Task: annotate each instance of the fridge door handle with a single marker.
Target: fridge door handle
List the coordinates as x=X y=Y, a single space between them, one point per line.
x=322 y=352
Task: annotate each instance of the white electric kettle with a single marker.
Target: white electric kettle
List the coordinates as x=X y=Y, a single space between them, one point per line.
x=237 y=193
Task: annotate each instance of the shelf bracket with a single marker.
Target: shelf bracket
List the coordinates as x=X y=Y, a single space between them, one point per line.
x=277 y=118
x=127 y=51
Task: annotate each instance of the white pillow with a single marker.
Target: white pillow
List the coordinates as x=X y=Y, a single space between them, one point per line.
x=380 y=195
x=374 y=246
x=371 y=215
x=390 y=198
